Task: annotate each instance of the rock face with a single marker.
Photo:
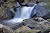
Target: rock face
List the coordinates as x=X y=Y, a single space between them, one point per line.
x=38 y=10
x=20 y=1
x=24 y=29
x=41 y=10
x=7 y=14
x=34 y=27
x=30 y=23
x=5 y=8
x=5 y=29
x=47 y=2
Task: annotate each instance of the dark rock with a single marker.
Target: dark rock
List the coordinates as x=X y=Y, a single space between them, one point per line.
x=5 y=0
x=47 y=31
x=7 y=14
x=1 y=31
x=20 y=1
x=1 y=3
x=47 y=16
x=29 y=4
x=33 y=13
x=41 y=10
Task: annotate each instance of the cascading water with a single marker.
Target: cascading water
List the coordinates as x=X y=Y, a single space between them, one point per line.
x=21 y=14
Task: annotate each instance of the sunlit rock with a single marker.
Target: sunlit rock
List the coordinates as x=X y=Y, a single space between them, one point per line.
x=26 y=30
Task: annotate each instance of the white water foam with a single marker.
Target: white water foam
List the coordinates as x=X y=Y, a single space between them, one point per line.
x=21 y=14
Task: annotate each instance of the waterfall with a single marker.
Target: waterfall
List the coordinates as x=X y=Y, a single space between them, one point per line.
x=21 y=14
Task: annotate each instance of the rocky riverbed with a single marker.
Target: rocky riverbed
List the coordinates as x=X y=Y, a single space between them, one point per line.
x=38 y=23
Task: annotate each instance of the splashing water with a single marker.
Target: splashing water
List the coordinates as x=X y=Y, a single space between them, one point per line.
x=21 y=14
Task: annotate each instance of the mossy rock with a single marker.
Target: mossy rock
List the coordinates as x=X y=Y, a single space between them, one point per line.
x=4 y=6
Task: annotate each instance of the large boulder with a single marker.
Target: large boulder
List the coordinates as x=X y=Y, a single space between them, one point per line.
x=30 y=23
x=5 y=29
x=25 y=29
x=7 y=14
x=6 y=9
x=41 y=10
